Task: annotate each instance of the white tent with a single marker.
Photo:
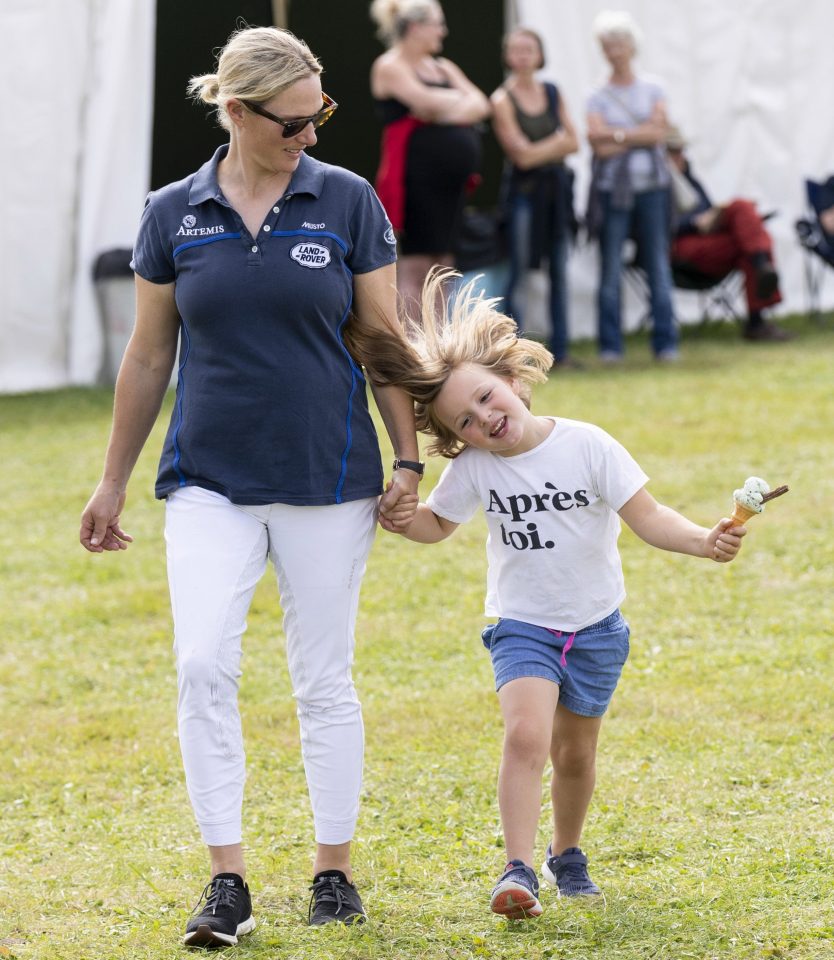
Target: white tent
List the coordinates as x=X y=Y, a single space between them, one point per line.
x=747 y=80
x=75 y=168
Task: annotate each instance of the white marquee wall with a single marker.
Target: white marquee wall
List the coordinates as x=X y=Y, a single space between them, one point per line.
x=76 y=130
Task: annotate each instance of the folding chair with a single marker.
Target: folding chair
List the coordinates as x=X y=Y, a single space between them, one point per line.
x=718 y=297
x=817 y=245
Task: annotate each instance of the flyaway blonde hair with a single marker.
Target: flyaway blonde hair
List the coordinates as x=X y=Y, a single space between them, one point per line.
x=451 y=332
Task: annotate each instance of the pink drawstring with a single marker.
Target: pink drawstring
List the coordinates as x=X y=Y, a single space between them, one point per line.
x=567 y=646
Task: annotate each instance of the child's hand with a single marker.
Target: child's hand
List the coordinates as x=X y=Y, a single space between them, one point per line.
x=724 y=541
x=397 y=517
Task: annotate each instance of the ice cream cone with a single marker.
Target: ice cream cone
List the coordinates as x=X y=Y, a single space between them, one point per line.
x=741 y=514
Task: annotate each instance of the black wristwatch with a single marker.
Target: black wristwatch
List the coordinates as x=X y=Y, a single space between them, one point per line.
x=416 y=465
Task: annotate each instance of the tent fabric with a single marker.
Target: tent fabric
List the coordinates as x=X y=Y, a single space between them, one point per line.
x=748 y=84
x=76 y=129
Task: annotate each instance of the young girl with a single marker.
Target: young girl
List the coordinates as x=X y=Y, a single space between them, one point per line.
x=553 y=491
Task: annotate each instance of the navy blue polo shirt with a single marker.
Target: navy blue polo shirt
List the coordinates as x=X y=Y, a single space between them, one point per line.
x=270 y=407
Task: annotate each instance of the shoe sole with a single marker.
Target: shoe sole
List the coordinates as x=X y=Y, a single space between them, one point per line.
x=514 y=902
x=205 y=936
x=352 y=920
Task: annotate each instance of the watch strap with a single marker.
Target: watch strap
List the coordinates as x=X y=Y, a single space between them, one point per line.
x=416 y=465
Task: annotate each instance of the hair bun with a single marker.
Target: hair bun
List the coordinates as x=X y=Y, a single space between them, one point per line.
x=205 y=87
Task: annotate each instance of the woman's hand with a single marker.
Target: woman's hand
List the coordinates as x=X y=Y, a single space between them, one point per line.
x=398 y=504
x=100 y=522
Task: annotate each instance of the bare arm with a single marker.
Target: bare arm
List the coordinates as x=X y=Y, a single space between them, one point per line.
x=523 y=152
x=461 y=103
x=427 y=527
x=665 y=528
x=610 y=141
x=143 y=378
x=375 y=308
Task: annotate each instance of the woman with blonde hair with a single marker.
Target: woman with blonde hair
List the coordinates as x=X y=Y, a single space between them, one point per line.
x=259 y=263
x=552 y=491
x=430 y=149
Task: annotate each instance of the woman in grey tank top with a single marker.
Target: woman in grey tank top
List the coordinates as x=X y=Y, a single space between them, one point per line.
x=535 y=131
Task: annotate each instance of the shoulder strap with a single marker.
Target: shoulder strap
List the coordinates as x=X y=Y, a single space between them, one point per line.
x=552 y=98
x=608 y=92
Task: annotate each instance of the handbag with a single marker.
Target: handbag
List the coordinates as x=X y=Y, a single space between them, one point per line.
x=480 y=239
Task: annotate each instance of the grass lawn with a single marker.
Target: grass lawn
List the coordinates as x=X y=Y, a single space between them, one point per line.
x=711 y=831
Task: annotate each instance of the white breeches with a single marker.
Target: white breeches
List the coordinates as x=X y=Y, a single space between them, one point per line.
x=217 y=553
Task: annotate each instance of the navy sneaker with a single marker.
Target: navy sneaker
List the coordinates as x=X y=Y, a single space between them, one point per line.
x=334 y=900
x=226 y=914
x=516 y=895
x=569 y=873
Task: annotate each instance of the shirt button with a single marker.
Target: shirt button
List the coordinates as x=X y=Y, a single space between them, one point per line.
x=254 y=249
x=266 y=227
x=276 y=209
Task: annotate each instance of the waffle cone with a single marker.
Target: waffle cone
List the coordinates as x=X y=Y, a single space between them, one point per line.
x=741 y=514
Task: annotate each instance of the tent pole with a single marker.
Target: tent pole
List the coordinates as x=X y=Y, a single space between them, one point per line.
x=281 y=13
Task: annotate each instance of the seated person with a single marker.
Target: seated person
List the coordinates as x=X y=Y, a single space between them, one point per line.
x=818 y=235
x=714 y=240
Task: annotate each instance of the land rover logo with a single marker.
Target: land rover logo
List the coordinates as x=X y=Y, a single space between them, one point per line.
x=312 y=255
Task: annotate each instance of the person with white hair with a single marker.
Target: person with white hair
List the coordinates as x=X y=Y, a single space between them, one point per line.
x=430 y=148
x=627 y=127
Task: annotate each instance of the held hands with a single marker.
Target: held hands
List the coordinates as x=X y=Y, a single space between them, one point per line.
x=398 y=505
x=100 y=526
x=724 y=541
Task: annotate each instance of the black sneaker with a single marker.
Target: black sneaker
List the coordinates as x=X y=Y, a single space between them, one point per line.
x=334 y=900
x=226 y=914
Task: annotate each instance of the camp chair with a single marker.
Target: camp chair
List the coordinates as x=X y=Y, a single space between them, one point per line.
x=718 y=297
x=817 y=245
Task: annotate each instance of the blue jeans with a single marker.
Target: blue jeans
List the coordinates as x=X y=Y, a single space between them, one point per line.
x=521 y=216
x=648 y=223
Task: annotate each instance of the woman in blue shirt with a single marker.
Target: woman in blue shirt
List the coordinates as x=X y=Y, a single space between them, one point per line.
x=257 y=264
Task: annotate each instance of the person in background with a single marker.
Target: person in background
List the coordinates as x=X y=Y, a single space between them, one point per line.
x=256 y=262
x=430 y=148
x=715 y=239
x=630 y=187
x=535 y=130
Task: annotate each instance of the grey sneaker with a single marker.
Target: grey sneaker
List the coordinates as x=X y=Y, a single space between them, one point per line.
x=516 y=895
x=569 y=873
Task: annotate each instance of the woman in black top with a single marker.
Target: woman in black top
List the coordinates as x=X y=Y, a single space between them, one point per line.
x=430 y=149
x=536 y=132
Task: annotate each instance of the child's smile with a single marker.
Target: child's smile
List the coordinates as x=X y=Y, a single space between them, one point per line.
x=486 y=411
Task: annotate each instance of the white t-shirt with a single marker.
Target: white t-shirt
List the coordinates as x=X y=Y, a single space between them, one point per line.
x=553 y=525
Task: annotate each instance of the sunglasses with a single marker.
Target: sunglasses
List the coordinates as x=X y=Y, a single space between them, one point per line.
x=293 y=127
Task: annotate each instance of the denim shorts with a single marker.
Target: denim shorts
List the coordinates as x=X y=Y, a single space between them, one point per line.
x=586 y=665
